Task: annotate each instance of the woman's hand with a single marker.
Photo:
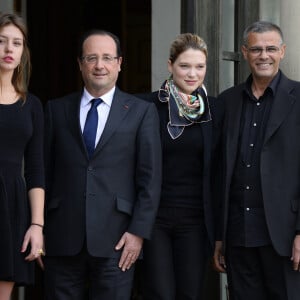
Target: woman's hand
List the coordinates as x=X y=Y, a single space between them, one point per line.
x=34 y=238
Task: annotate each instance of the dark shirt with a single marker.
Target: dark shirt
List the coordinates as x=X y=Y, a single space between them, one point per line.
x=182 y=167
x=182 y=182
x=247 y=224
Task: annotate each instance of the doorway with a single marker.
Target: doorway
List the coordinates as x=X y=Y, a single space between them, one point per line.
x=54 y=32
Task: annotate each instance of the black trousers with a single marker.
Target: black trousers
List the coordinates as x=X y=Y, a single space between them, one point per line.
x=260 y=273
x=175 y=258
x=83 y=277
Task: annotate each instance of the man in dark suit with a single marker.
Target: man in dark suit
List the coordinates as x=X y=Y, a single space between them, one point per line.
x=103 y=180
x=259 y=244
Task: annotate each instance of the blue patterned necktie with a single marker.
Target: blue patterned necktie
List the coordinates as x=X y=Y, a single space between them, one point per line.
x=90 y=127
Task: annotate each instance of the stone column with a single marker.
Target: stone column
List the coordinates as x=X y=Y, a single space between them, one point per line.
x=165 y=28
x=6 y=6
x=290 y=24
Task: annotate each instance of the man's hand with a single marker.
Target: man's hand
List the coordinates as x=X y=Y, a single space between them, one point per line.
x=219 y=260
x=132 y=245
x=296 y=253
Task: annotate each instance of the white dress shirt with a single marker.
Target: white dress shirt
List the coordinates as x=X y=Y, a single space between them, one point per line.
x=103 y=110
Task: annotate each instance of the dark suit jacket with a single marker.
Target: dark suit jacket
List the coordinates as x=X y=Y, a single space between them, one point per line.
x=279 y=161
x=117 y=190
x=210 y=133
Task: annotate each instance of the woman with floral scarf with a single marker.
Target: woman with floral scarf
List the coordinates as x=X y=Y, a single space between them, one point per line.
x=175 y=259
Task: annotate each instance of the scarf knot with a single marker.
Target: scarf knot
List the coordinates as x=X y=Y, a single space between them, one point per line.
x=184 y=109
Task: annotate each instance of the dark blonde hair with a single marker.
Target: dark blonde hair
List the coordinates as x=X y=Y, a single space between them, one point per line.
x=21 y=76
x=184 y=42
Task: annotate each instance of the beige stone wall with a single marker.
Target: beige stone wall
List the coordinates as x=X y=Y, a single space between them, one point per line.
x=6 y=5
x=286 y=13
x=290 y=24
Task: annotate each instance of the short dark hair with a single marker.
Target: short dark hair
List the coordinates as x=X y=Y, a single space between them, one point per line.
x=260 y=27
x=91 y=32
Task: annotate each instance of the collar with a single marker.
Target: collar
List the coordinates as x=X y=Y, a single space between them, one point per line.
x=107 y=98
x=272 y=87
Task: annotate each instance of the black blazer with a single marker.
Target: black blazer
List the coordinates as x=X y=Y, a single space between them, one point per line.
x=279 y=161
x=117 y=190
x=211 y=133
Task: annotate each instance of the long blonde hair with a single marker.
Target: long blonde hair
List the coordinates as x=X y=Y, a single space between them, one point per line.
x=21 y=75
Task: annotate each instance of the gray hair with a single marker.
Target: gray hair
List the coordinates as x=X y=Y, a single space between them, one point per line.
x=260 y=27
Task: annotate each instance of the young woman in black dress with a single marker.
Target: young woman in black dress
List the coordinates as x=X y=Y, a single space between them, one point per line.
x=21 y=161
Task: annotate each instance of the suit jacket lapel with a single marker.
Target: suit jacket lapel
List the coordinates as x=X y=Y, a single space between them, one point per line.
x=233 y=126
x=206 y=130
x=72 y=111
x=281 y=106
x=119 y=108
